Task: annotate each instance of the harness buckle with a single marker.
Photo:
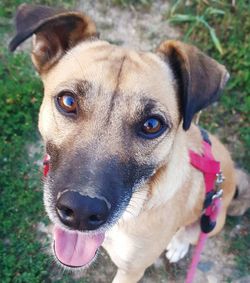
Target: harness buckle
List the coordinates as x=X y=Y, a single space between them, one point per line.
x=218 y=190
x=218 y=194
x=220 y=178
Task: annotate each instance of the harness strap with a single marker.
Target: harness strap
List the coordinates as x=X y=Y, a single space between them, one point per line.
x=211 y=172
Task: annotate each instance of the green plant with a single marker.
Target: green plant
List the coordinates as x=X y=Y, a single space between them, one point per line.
x=240 y=244
x=197 y=21
x=21 y=207
x=126 y=3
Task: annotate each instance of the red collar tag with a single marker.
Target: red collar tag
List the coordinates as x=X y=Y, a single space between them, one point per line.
x=46 y=165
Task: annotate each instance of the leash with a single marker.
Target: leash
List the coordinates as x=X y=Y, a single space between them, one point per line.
x=212 y=175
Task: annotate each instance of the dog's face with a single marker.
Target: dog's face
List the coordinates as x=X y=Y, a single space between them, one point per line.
x=107 y=123
x=109 y=118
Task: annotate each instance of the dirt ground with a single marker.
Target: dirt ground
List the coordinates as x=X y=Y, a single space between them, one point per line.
x=145 y=28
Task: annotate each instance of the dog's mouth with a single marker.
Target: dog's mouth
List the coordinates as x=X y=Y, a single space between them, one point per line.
x=75 y=249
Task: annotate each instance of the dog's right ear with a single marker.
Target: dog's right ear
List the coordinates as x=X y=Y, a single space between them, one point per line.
x=56 y=31
x=200 y=78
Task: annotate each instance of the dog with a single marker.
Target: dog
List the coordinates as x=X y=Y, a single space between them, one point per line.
x=117 y=127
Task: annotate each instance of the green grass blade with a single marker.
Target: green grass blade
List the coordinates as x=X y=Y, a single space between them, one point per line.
x=216 y=40
x=179 y=18
x=175 y=7
x=190 y=31
x=213 y=11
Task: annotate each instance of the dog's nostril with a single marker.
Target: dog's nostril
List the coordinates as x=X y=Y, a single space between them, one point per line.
x=98 y=218
x=65 y=213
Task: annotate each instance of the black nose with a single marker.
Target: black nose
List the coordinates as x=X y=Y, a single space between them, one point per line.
x=81 y=212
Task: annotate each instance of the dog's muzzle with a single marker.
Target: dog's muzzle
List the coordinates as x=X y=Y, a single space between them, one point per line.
x=73 y=248
x=86 y=198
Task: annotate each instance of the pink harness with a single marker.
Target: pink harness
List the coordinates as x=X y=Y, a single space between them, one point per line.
x=212 y=175
x=211 y=170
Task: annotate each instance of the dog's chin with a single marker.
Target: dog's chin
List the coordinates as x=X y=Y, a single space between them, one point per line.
x=75 y=250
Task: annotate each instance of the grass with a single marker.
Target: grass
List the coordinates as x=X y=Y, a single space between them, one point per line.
x=220 y=29
x=239 y=244
x=21 y=194
x=126 y=3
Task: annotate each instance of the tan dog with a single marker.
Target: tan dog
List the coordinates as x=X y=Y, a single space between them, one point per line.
x=117 y=125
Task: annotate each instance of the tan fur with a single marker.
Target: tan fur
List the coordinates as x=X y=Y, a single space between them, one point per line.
x=173 y=197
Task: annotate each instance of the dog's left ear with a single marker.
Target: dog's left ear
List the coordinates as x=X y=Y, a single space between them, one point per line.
x=199 y=77
x=56 y=31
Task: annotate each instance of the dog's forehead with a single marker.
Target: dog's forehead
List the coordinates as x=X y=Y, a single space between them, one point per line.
x=113 y=68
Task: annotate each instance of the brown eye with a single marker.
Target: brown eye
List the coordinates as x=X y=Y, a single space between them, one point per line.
x=67 y=102
x=152 y=128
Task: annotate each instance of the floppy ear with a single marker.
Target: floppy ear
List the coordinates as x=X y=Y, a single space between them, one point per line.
x=56 y=31
x=199 y=77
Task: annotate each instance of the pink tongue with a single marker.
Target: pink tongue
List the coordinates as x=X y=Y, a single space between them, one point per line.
x=74 y=248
